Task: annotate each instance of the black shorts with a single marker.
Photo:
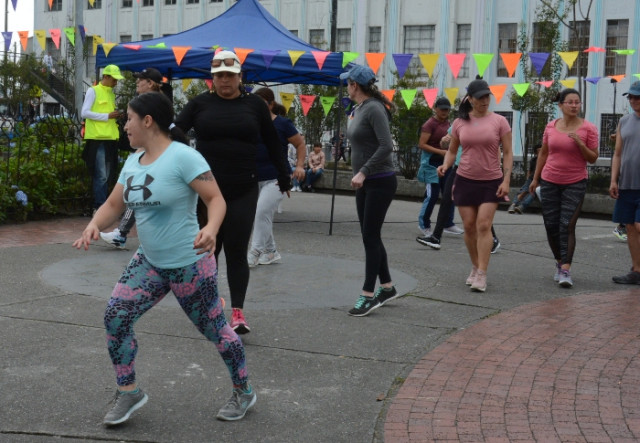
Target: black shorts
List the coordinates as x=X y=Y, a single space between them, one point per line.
x=467 y=192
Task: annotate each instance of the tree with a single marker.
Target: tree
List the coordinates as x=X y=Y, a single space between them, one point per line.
x=15 y=89
x=315 y=123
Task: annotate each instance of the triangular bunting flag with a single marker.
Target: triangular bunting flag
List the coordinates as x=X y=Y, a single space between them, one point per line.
x=24 y=39
x=70 y=32
x=268 y=55
x=637 y=75
x=402 y=63
x=546 y=83
x=294 y=55
x=180 y=51
x=287 y=99
x=348 y=57
x=594 y=49
x=55 y=36
x=97 y=40
x=430 y=96
x=320 y=57
x=185 y=83
x=511 y=60
x=451 y=94
x=242 y=53
x=569 y=57
x=41 y=36
x=617 y=78
x=624 y=51
x=429 y=62
x=306 y=101
x=161 y=45
x=7 y=40
x=83 y=32
x=482 y=62
x=15 y=4
x=521 y=88
x=498 y=91
x=538 y=60
x=92 y=3
x=455 y=63
x=593 y=80
x=408 y=95
x=107 y=47
x=209 y=83
x=568 y=83
x=50 y=4
x=327 y=103
x=389 y=93
x=374 y=60
x=132 y=47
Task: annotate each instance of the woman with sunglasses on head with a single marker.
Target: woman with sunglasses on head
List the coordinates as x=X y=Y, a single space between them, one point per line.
x=568 y=143
x=374 y=180
x=163 y=182
x=480 y=182
x=229 y=123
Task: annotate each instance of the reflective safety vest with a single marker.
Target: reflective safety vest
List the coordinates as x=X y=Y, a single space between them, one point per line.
x=104 y=103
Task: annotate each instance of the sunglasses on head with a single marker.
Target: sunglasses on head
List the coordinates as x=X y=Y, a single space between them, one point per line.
x=217 y=62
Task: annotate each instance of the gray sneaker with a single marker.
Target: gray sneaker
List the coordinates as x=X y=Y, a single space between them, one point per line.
x=124 y=406
x=565 y=279
x=632 y=278
x=238 y=405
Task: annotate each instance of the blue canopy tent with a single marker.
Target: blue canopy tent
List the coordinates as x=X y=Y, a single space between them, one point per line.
x=247 y=24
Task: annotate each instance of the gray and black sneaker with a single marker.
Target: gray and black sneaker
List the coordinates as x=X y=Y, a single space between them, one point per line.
x=238 y=404
x=430 y=241
x=125 y=404
x=496 y=245
x=386 y=294
x=364 y=305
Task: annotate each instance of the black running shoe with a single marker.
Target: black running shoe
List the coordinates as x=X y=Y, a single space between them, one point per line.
x=386 y=294
x=430 y=241
x=496 y=245
x=364 y=305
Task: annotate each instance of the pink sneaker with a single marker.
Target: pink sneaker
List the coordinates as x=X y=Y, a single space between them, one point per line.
x=238 y=323
x=472 y=276
x=480 y=283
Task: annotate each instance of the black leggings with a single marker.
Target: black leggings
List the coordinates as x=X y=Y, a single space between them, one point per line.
x=561 y=205
x=372 y=202
x=234 y=235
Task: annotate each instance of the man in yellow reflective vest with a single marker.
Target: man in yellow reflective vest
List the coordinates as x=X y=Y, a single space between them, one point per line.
x=101 y=133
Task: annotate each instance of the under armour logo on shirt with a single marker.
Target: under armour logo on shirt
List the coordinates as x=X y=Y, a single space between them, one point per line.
x=146 y=193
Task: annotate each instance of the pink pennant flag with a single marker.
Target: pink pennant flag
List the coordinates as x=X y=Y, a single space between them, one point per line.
x=55 y=36
x=320 y=57
x=455 y=62
x=209 y=82
x=402 y=63
x=306 y=101
x=430 y=96
x=546 y=83
x=132 y=47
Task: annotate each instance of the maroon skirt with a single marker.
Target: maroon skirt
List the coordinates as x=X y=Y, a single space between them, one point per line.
x=467 y=192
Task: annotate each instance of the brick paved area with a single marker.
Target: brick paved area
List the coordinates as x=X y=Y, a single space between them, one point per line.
x=560 y=370
x=32 y=233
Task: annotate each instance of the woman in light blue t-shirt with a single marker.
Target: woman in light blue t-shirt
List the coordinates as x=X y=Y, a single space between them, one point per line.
x=162 y=183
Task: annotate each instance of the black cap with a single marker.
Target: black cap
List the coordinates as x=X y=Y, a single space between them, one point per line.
x=442 y=103
x=478 y=88
x=149 y=73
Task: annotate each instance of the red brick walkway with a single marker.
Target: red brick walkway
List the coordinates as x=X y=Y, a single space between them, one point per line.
x=560 y=370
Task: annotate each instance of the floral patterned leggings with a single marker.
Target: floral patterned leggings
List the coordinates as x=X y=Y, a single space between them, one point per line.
x=142 y=286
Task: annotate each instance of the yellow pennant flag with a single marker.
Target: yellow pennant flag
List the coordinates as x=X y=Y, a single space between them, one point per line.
x=287 y=99
x=108 y=47
x=41 y=36
x=185 y=83
x=451 y=93
x=569 y=57
x=429 y=62
x=570 y=83
x=295 y=55
x=97 y=40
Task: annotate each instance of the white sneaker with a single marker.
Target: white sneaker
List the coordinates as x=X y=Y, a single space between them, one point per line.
x=454 y=230
x=266 y=258
x=252 y=258
x=426 y=232
x=280 y=207
x=114 y=238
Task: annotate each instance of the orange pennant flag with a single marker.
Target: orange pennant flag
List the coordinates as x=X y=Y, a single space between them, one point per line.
x=320 y=57
x=55 y=36
x=617 y=78
x=498 y=91
x=242 y=53
x=511 y=60
x=374 y=60
x=50 y=3
x=179 y=52
x=306 y=101
x=389 y=93
x=430 y=96
x=455 y=62
x=24 y=39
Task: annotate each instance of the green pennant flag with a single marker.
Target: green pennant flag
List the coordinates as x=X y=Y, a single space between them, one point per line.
x=160 y=45
x=521 y=88
x=482 y=62
x=327 y=102
x=624 y=51
x=348 y=57
x=408 y=95
x=637 y=75
x=71 y=34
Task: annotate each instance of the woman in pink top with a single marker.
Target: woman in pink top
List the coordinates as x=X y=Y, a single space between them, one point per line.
x=568 y=144
x=481 y=182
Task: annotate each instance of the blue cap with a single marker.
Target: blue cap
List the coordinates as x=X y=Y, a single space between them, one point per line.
x=634 y=90
x=362 y=75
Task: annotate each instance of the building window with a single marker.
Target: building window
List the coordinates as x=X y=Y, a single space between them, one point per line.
x=294 y=32
x=540 y=43
x=375 y=39
x=534 y=129
x=316 y=38
x=608 y=125
x=579 y=43
x=125 y=38
x=419 y=39
x=192 y=2
x=507 y=42
x=617 y=38
x=343 y=40
x=97 y=4
x=127 y=3
x=169 y=2
x=56 y=5
x=463 y=46
x=146 y=36
x=216 y=1
x=147 y=2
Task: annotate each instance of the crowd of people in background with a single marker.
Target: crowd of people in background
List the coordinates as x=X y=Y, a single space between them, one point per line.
x=189 y=205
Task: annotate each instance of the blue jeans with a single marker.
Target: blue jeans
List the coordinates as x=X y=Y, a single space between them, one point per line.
x=101 y=173
x=527 y=199
x=312 y=176
x=431 y=193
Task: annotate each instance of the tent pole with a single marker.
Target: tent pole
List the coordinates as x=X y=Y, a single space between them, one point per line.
x=336 y=131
